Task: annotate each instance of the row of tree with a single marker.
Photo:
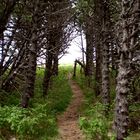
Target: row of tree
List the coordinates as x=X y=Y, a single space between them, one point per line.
x=32 y=32
x=41 y=30
x=112 y=32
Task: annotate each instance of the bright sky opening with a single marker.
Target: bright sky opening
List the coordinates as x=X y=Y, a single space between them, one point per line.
x=74 y=52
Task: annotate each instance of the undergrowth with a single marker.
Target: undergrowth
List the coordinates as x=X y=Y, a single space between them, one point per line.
x=38 y=122
x=93 y=121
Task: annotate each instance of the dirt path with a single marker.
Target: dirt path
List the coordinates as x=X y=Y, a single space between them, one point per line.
x=68 y=122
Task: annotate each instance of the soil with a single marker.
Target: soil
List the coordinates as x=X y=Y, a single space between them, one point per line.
x=68 y=122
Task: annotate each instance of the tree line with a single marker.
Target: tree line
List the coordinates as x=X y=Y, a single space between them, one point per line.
x=32 y=31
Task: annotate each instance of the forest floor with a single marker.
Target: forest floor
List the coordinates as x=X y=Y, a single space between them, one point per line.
x=68 y=121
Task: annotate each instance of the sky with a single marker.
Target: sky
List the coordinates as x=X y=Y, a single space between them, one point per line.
x=74 y=51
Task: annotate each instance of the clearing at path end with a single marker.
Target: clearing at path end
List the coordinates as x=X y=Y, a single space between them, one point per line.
x=68 y=122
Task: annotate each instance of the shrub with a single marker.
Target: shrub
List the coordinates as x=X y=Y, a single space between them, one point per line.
x=23 y=123
x=94 y=124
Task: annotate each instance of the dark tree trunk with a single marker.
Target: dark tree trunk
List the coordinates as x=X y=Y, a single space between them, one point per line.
x=105 y=64
x=32 y=58
x=55 y=64
x=98 y=30
x=6 y=14
x=48 y=72
x=89 y=52
x=75 y=67
x=55 y=43
x=8 y=82
x=31 y=72
x=74 y=70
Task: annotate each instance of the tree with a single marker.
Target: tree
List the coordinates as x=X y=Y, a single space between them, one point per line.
x=32 y=58
x=130 y=45
x=105 y=65
x=98 y=13
x=58 y=20
x=5 y=14
x=89 y=35
x=85 y=20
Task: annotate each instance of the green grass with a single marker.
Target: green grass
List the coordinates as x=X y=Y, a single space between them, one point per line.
x=38 y=122
x=93 y=121
x=134 y=135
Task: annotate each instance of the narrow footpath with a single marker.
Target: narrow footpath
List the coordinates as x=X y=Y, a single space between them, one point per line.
x=68 y=122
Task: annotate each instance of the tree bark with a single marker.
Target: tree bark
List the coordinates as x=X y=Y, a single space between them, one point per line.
x=31 y=71
x=55 y=64
x=98 y=29
x=89 y=51
x=75 y=67
x=105 y=64
x=47 y=73
x=130 y=20
x=6 y=14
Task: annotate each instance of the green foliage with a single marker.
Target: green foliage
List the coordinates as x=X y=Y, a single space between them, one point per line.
x=9 y=98
x=2 y=7
x=93 y=121
x=59 y=93
x=134 y=136
x=84 y=8
x=95 y=124
x=25 y=123
x=38 y=122
x=83 y=83
x=25 y=14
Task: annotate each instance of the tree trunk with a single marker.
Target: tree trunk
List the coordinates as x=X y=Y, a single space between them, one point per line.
x=47 y=73
x=74 y=70
x=130 y=20
x=6 y=14
x=89 y=52
x=75 y=67
x=55 y=64
x=98 y=29
x=31 y=71
x=105 y=64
